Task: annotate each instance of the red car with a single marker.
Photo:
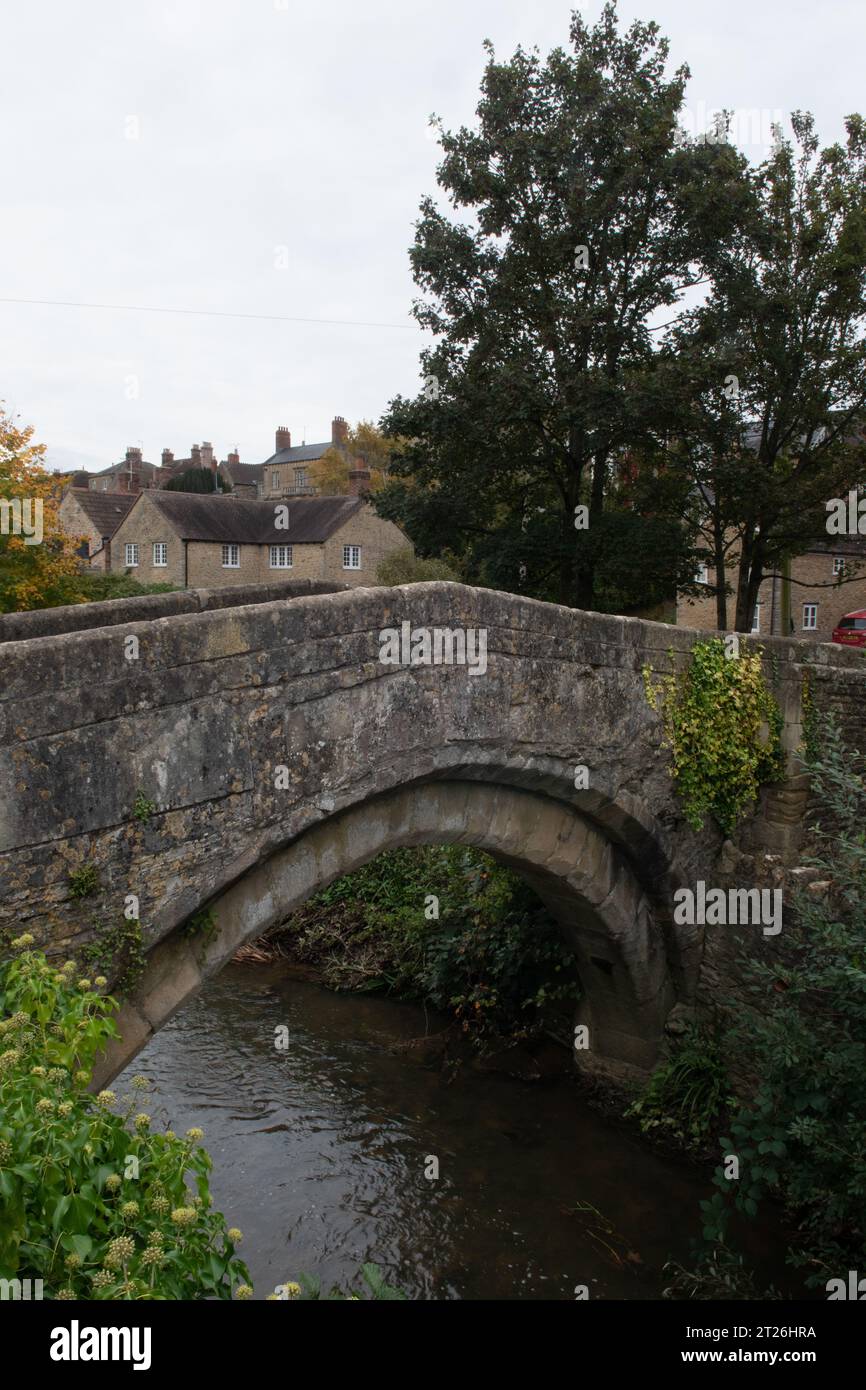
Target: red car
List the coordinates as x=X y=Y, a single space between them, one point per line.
x=852 y=629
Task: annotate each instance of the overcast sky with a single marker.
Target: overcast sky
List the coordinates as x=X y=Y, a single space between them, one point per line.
x=267 y=157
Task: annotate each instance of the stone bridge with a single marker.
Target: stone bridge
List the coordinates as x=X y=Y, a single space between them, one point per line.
x=231 y=754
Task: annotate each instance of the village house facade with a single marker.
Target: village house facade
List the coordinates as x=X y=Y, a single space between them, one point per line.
x=805 y=600
x=93 y=517
x=193 y=540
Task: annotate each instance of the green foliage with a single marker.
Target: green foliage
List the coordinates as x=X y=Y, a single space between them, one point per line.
x=811 y=723
x=117 y=952
x=96 y=588
x=91 y=1201
x=719 y=1274
x=143 y=809
x=723 y=726
x=404 y=567
x=202 y=924
x=542 y=366
x=785 y=317
x=501 y=968
x=494 y=958
x=197 y=480
x=309 y=1289
x=83 y=881
x=802 y=1136
x=685 y=1095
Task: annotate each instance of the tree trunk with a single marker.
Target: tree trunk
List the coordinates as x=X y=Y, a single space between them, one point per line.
x=721 y=577
x=749 y=582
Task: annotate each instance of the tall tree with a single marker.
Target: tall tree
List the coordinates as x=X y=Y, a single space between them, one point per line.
x=587 y=217
x=197 y=480
x=785 y=322
x=39 y=567
x=366 y=447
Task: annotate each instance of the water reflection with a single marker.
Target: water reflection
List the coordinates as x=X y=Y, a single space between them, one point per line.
x=320 y=1153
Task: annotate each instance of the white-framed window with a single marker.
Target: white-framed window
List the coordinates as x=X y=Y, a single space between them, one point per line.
x=756 y=618
x=810 y=617
x=231 y=557
x=838 y=566
x=702 y=573
x=275 y=479
x=160 y=554
x=130 y=554
x=300 y=477
x=281 y=557
x=351 y=557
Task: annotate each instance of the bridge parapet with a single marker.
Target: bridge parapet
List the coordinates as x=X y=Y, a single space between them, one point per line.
x=176 y=755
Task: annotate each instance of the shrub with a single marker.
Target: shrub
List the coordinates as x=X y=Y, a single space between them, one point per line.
x=405 y=567
x=93 y=1203
x=685 y=1095
x=723 y=727
x=802 y=1137
x=95 y=587
x=501 y=966
x=493 y=956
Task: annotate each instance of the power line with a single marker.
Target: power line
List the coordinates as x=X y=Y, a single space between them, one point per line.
x=202 y=313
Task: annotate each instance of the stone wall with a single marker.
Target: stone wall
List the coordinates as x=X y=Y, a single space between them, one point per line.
x=52 y=622
x=245 y=731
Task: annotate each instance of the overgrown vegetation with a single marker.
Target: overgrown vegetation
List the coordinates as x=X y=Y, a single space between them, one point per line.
x=686 y=1094
x=118 y=953
x=723 y=726
x=142 y=808
x=202 y=925
x=801 y=1137
x=94 y=587
x=93 y=1203
x=197 y=480
x=405 y=567
x=83 y=881
x=493 y=957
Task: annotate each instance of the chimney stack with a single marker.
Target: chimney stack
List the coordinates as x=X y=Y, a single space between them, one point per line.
x=283 y=438
x=130 y=481
x=359 y=478
x=207 y=459
x=167 y=458
x=339 y=432
x=233 y=457
x=195 y=456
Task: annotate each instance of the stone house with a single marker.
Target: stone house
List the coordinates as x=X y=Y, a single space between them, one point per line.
x=286 y=472
x=194 y=540
x=94 y=517
x=806 y=598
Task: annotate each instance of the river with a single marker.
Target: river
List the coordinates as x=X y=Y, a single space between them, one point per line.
x=322 y=1153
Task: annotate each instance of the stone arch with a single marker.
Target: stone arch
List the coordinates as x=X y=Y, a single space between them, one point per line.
x=628 y=958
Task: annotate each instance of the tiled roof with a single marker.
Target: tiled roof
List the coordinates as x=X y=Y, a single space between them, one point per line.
x=243 y=472
x=124 y=467
x=204 y=517
x=105 y=509
x=303 y=453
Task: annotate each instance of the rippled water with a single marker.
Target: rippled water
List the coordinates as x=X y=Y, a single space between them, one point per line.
x=320 y=1151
